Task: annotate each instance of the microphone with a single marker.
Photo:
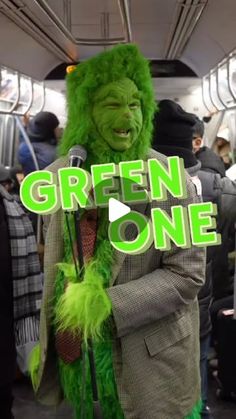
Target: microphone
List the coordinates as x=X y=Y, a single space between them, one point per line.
x=77 y=155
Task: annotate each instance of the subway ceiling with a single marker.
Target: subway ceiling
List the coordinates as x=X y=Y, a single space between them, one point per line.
x=40 y=35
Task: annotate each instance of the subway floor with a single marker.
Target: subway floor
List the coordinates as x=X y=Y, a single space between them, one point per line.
x=26 y=407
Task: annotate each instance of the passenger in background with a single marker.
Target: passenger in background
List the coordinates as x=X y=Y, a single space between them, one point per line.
x=20 y=290
x=5 y=178
x=173 y=136
x=17 y=177
x=221 y=147
x=222 y=276
x=225 y=190
x=43 y=131
x=210 y=161
x=10 y=178
x=7 y=342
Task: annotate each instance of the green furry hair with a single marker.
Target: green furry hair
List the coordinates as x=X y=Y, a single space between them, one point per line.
x=122 y=61
x=84 y=306
x=34 y=361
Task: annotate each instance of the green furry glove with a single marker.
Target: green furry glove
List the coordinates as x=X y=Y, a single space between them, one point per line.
x=84 y=306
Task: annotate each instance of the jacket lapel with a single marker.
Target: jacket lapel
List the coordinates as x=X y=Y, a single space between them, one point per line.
x=119 y=257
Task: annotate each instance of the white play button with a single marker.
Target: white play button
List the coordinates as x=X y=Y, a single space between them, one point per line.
x=117 y=209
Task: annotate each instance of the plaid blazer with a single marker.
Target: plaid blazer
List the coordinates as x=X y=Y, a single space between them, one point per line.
x=154 y=299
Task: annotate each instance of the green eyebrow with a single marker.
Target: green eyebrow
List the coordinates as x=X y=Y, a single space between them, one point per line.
x=112 y=94
x=137 y=95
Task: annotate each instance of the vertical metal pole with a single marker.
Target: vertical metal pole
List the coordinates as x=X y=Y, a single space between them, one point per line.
x=235 y=279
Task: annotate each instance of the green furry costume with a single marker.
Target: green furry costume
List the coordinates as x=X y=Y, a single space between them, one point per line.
x=99 y=90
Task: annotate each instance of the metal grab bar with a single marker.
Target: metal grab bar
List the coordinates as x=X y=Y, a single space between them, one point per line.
x=27 y=141
x=57 y=22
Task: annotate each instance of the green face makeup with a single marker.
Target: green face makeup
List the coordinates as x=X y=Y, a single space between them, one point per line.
x=117 y=114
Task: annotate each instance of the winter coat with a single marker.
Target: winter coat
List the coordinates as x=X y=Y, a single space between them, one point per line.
x=222 y=192
x=7 y=345
x=45 y=154
x=226 y=191
x=210 y=161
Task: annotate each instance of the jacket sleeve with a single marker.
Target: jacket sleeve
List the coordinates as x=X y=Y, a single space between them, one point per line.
x=228 y=199
x=163 y=291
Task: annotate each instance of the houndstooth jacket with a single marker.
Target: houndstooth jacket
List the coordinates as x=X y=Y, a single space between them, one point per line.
x=154 y=299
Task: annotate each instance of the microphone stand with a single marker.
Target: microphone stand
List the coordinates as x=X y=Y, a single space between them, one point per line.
x=97 y=410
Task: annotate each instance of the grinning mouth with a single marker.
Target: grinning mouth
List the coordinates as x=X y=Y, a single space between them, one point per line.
x=123 y=133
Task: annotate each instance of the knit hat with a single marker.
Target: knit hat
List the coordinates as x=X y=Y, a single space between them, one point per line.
x=174 y=126
x=41 y=126
x=173 y=133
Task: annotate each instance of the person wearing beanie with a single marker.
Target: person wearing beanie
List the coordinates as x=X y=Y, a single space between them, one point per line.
x=42 y=131
x=174 y=136
x=173 y=131
x=211 y=162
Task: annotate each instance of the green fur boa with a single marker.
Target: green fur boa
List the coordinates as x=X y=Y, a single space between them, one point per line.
x=34 y=361
x=75 y=377
x=84 y=306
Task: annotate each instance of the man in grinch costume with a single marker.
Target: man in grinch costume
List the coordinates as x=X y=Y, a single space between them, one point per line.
x=141 y=311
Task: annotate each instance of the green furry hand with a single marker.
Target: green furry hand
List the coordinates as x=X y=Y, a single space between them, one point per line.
x=84 y=306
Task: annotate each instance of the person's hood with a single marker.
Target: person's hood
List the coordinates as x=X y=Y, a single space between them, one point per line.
x=193 y=170
x=210 y=161
x=223 y=133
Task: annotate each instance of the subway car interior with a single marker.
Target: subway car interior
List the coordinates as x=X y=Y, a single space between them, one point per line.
x=191 y=47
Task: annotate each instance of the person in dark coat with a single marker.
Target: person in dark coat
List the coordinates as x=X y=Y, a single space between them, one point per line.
x=212 y=163
x=173 y=136
x=42 y=131
x=7 y=343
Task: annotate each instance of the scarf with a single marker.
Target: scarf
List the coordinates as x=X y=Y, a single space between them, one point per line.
x=26 y=272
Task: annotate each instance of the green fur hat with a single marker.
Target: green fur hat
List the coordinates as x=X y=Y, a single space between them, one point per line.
x=122 y=61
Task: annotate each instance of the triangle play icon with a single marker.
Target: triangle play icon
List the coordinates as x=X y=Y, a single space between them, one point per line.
x=117 y=209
